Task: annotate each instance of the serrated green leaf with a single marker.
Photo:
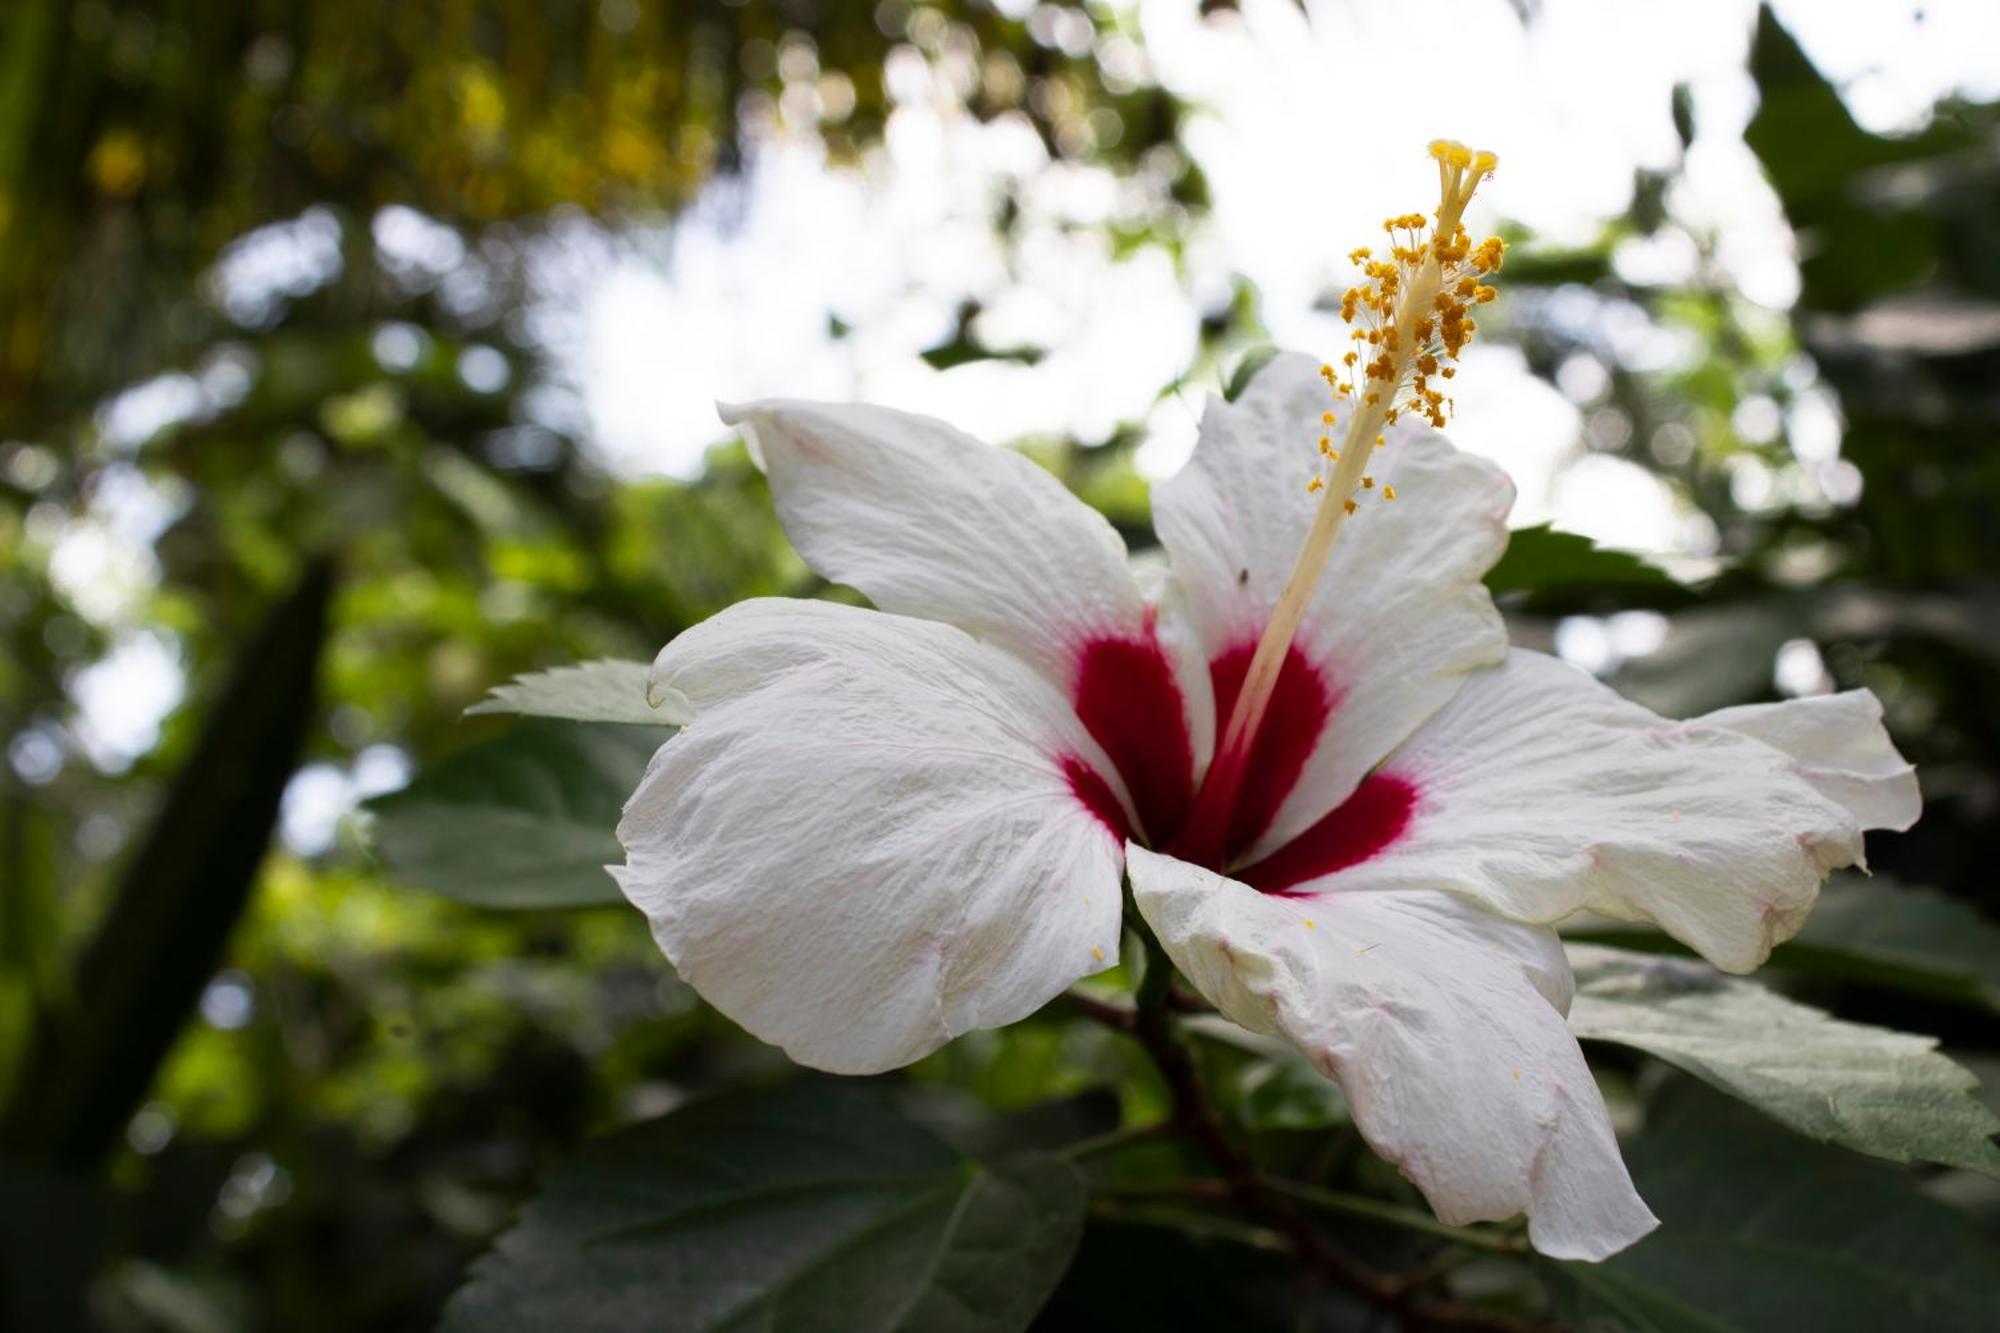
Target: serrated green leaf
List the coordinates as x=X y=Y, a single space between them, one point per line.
x=810 y=1207
x=602 y=691
x=1540 y=559
x=527 y=819
x=1888 y=1094
x=1762 y=1230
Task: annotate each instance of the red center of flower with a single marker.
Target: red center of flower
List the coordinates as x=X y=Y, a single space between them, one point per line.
x=1128 y=699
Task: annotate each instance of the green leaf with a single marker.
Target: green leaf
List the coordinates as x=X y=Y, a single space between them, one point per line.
x=1246 y=370
x=1264 y=1082
x=1878 y=932
x=809 y=1207
x=1868 y=931
x=604 y=691
x=525 y=820
x=1155 y=1268
x=1889 y=1094
x=1762 y=1230
x=52 y=1239
x=1540 y=559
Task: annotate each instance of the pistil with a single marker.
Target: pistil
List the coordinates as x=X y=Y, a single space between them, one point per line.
x=1411 y=320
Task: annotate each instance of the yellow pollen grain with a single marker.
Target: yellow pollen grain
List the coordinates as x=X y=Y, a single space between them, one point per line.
x=1388 y=492
x=1349 y=505
x=1310 y=925
x=1368 y=483
x=1097 y=953
x=1313 y=486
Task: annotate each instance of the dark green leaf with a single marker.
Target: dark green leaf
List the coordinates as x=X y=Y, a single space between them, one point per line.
x=1868 y=931
x=1882 y=933
x=1146 y=1268
x=1246 y=370
x=181 y=895
x=1762 y=1230
x=51 y=1240
x=1540 y=559
x=1886 y=1093
x=527 y=819
x=810 y=1207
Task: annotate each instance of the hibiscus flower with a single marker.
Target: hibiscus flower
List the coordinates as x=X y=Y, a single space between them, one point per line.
x=1348 y=810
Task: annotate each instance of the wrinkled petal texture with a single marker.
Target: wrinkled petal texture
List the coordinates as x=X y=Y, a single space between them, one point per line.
x=1541 y=792
x=1443 y=1025
x=929 y=522
x=871 y=837
x=1842 y=749
x=1400 y=615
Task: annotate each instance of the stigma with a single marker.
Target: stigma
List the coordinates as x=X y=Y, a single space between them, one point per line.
x=1411 y=313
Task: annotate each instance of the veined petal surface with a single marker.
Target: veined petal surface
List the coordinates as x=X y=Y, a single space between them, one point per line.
x=1397 y=619
x=1442 y=1023
x=928 y=521
x=876 y=833
x=1541 y=792
x=1842 y=749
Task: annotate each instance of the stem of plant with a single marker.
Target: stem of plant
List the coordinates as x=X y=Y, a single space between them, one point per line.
x=1151 y=1025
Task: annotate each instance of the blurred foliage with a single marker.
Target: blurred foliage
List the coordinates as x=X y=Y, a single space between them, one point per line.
x=365 y=1092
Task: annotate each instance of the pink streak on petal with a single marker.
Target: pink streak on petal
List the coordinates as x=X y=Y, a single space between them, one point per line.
x=1128 y=700
x=1364 y=825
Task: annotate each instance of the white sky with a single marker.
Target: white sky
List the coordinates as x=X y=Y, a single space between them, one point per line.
x=1313 y=127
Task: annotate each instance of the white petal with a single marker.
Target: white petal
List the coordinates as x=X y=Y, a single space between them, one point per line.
x=1842 y=749
x=1400 y=614
x=1443 y=1025
x=866 y=843
x=928 y=521
x=1541 y=792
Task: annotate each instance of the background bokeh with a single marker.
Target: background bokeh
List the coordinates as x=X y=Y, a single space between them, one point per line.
x=407 y=320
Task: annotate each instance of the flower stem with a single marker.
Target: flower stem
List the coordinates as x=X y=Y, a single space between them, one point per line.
x=1409 y=1219
x=1263 y=1198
